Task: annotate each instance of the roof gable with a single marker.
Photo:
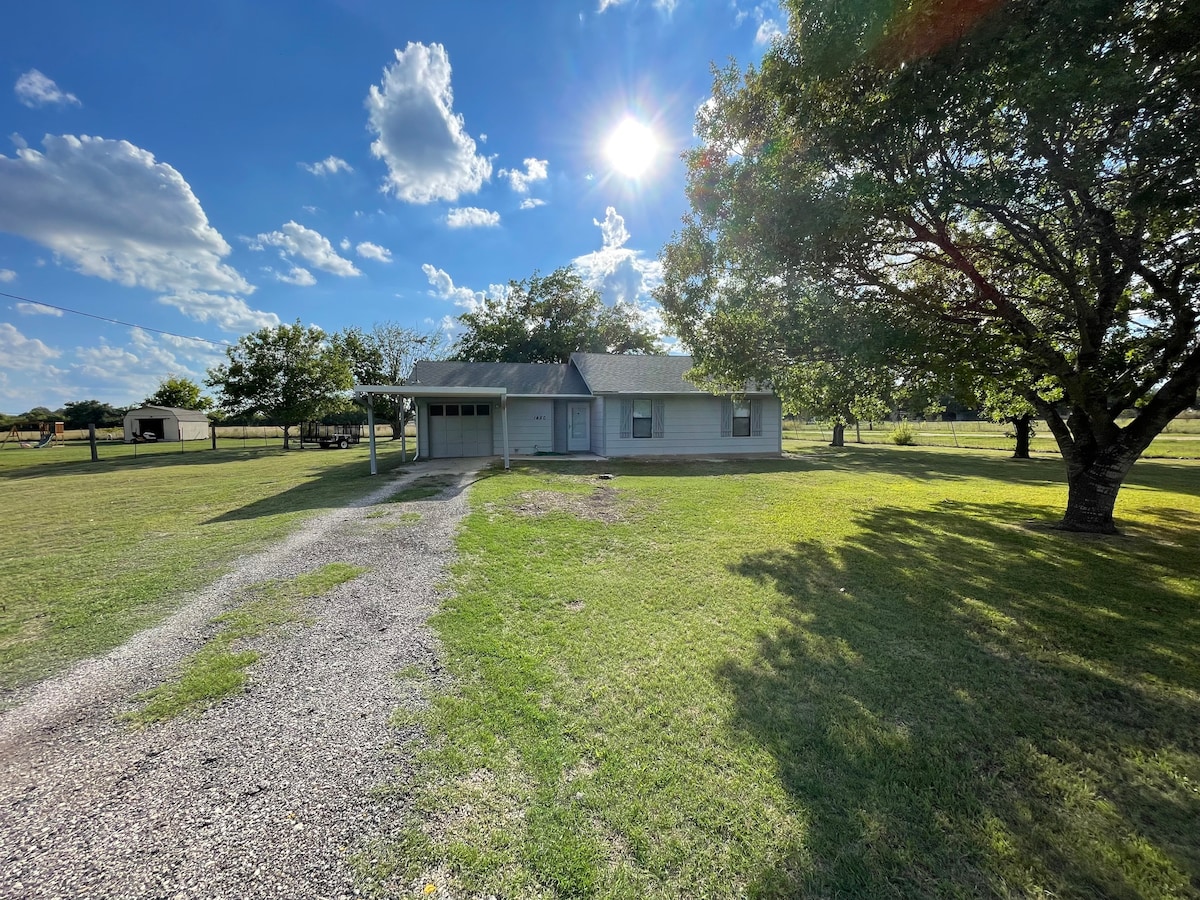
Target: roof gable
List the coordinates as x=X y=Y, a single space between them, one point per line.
x=610 y=373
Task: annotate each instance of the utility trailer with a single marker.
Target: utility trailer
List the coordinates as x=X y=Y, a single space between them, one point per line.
x=326 y=436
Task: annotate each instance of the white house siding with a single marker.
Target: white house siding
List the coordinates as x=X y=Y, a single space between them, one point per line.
x=598 y=426
x=691 y=427
x=530 y=427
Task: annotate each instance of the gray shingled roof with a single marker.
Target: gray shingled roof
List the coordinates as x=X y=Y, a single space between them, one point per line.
x=518 y=378
x=609 y=373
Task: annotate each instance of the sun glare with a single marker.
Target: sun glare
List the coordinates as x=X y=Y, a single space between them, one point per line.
x=631 y=148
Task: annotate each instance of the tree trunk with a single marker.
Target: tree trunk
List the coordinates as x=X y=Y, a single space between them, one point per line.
x=1091 y=497
x=857 y=431
x=839 y=436
x=1023 y=425
x=286 y=444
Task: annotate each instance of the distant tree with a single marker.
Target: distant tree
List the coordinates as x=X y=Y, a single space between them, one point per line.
x=82 y=413
x=40 y=414
x=385 y=355
x=1022 y=176
x=181 y=393
x=547 y=318
x=289 y=373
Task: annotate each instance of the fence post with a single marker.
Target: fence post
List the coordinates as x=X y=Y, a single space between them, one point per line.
x=92 y=442
x=212 y=428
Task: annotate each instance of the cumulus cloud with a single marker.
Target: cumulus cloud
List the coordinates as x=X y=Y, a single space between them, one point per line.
x=20 y=352
x=38 y=309
x=620 y=274
x=298 y=276
x=367 y=250
x=532 y=203
x=116 y=213
x=770 y=18
x=444 y=288
x=330 y=165
x=667 y=6
x=472 y=217
x=7 y=275
x=535 y=170
x=293 y=239
x=34 y=89
x=428 y=153
x=226 y=312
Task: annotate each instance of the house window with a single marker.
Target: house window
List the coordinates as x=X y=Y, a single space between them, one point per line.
x=643 y=415
x=741 y=419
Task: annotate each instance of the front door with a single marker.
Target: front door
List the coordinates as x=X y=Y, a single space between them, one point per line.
x=578 y=432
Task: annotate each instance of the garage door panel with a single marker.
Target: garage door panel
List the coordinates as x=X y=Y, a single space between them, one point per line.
x=452 y=434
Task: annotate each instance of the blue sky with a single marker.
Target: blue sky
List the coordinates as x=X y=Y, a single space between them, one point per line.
x=208 y=169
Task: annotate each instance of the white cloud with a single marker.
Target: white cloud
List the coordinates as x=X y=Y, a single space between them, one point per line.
x=114 y=212
x=293 y=239
x=444 y=287
x=367 y=250
x=20 y=352
x=227 y=312
x=532 y=203
x=311 y=210
x=330 y=165
x=472 y=217
x=620 y=274
x=7 y=275
x=298 y=276
x=34 y=89
x=612 y=228
x=38 y=309
x=770 y=18
x=428 y=153
x=667 y=6
x=535 y=170
x=345 y=245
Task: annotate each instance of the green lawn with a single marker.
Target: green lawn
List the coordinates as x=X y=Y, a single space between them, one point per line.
x=90 y=553
x=1180 y=439
x=872 y=672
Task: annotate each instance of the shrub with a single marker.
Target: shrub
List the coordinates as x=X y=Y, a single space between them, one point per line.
x=904 y=434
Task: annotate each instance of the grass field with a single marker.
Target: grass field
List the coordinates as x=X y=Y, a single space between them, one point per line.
x=1180 y=439
x=90 y=553
x=872 y=672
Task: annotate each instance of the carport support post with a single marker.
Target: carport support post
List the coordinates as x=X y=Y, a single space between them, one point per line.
x=371 y=430
x=504 y=425
x=403 y=431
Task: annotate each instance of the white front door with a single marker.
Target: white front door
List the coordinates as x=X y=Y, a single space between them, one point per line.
x=579 y=435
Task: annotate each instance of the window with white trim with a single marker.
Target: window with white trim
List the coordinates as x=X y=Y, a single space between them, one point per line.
x=643 y=418
x=741 y=418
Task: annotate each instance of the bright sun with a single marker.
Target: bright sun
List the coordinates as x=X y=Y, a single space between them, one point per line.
x=631 y=148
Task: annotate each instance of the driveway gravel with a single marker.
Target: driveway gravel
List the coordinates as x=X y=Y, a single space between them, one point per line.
x=269 y=793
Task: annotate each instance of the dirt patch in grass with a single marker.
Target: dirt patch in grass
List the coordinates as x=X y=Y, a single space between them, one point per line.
x=422 y=489
x=603 y=504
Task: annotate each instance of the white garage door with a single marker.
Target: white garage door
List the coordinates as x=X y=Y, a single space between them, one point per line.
x=460 y=429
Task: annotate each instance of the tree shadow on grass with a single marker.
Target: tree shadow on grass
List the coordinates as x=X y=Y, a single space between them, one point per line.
x=963 y=708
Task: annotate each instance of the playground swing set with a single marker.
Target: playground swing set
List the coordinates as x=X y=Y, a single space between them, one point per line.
x=50 y=434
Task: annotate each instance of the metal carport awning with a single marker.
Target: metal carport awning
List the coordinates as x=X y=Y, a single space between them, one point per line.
x=426 y=390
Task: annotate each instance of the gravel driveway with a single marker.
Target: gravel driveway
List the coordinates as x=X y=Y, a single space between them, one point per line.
x=270 y=792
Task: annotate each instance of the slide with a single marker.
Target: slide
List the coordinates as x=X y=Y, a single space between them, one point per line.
x=45 y=440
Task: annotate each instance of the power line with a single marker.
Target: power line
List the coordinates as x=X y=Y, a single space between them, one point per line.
x=186 y=337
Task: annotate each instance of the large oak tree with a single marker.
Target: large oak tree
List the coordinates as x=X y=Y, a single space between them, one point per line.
x=546 y=318
x=1012 y=186
x=289 y=373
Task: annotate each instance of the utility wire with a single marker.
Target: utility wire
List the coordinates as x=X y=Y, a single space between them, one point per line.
x=186 y=337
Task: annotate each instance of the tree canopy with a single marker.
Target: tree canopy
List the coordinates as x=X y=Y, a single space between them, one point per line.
x=385 y=355
x=181 y=393
x=1009 y=189
x=546 y=319
x=289 y=373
